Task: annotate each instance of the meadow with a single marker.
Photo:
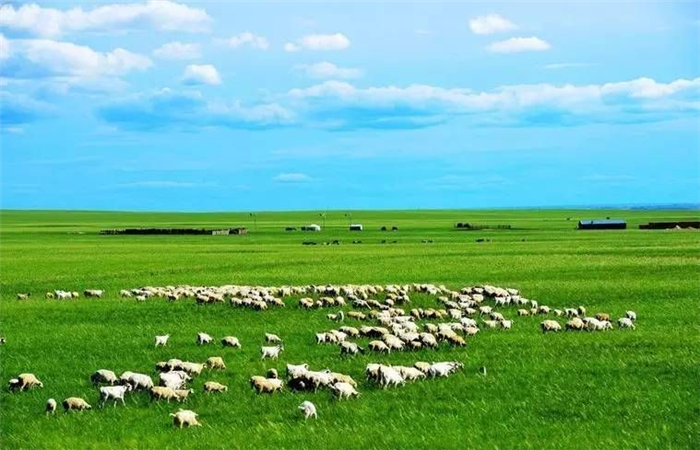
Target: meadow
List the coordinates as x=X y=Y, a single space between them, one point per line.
x=619 y=389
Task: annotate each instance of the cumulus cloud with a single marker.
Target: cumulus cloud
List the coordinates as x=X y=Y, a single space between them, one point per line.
x=177 y=50
x=340 y=105
x=164 y=15
x=294 y=177
x=519 y=44
x=326 y=70
x=190 y=110
x=490 y=24
x=201 y=74
x=247 y=39
x=337 y=41
x=75 y=64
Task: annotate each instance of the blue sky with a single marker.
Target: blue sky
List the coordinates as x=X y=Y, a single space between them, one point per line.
x=192 y=106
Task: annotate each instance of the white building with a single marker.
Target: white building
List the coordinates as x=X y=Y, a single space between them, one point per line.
x=313 y=227
x=356 y=227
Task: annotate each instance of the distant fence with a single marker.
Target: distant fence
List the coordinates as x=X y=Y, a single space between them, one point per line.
x=471 y=226
x=171 y=231
x=670 y=225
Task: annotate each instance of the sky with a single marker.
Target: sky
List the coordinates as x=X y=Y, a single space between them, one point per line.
x=213 y=106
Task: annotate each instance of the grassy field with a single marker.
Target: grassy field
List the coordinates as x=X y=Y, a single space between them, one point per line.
x=615 y=390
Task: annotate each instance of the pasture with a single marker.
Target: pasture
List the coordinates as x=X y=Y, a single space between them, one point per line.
x=618 y=389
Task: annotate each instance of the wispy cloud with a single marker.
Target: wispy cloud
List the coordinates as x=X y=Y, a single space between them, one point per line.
x=570 y=65
x=246 y=39
x=177 y=50
x=519 y=44
x=294 y=177
x=319 y=42
x=490 y=24
x=328 y=70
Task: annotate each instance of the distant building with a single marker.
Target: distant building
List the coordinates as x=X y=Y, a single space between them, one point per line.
x=670 y=225
x=356 y=227
x=602 y=224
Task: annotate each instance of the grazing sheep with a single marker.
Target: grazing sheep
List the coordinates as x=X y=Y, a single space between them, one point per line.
x=75 y=403
x=182 y=394
x=50 y=406
x=422 y=366
x=444 y=369
x=213 y=386
x=271 y=352
x=23 y=296
x=50 y=295
x=104 y=376
x=550 y=325
x=140 y=298
x=631 y=315
x=379 y=346
x=571 y=312
x=2 y=340
x=272 y=373
x=506 y=324
x=625 y=322
x=581 y=311
x=125 y=293
x=490 y=323
x=139 y=381
x=344 y=390
x=113 y=392
x=558 y=312
x=575 y=324
x=603 y=316
x=272 y=338
x=162 y=340
x=297 y=371
x=97 y=293
x=543 y=309
x=308 y=409
x=388 y=376
x=163 y=393
x=340 y=377
x=215 y=362
x=173 y=380
x=192 y=368
x=339 y=317
x=25 y=381
x=204 y=338
x=350 y=348
x=456 y=340
x=230 y=341
x=185 y=417
x=410 y=373
x=266 y=385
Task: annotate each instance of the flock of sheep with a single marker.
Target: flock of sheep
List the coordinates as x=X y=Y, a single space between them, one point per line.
x=460 y=315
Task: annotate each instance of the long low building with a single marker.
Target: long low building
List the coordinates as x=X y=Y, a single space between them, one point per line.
x=602 y=224
x=171 y=231
x=670 y=225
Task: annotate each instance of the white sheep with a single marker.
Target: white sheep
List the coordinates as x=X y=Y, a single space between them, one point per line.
x=271 y=352
x=308 y=409
x=506 y=324
x=113 y=392
x=162 y=341
x=104 y=376
x=185 y=417
x=75 y=403
x=626 y=322
x=204 y=338
x=230 y=341
x=272 y=338
x=344 y=390
x=50 y=406
x=631 y=315
x=297 y=371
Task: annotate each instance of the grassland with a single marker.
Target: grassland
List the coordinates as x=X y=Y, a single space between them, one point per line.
x=616 y=390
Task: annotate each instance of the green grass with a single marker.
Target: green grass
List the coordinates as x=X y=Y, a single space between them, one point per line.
x=618 y=390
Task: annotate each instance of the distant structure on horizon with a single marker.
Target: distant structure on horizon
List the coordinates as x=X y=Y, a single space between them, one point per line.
x=311 y=227
x=170 y=231
x=602 y=224
x=356 y=227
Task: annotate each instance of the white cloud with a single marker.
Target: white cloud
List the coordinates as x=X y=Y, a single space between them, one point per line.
x=4 y=47
x=292 y=178
x=519 y=44
x=337 y=41
x=44 y=58
x=490 y=24
x=177 y=50
x=342 y=105
x=201 y=74
x=157 y=14
x=247 y=38
x=325 y=70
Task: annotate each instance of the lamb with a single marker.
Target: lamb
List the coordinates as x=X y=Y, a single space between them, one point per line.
x=625 y=322
x=631 y=315
x=230 y=341
x=104 y=376
x=344 y=390
x=185 y=417
x=213 y=386
x=272 y=338
x=204 y=338
x=350 y=348
x=25 y=381
x=163 y=392
x=113 y=392
x=75 y=403
x=271 y=352
x=550 y=325
x=50 y=406
x=297 y=371
x=215 y=362
x=308 y=409
x=162 y=340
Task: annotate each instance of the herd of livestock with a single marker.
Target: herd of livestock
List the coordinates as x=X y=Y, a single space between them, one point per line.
x=382 y=318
